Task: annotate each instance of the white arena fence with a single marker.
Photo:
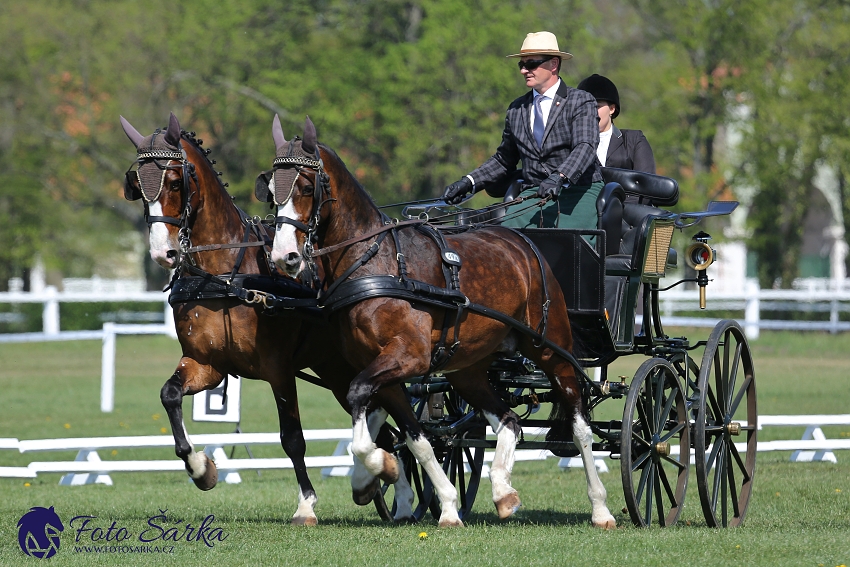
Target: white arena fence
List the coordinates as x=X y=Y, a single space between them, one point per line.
x=754 y=303
x=88 y=468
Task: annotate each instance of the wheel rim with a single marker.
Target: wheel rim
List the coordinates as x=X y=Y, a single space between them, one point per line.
x=726 y=427
x=655 y=426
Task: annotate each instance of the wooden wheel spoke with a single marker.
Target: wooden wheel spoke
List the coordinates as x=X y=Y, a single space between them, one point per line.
x=643 y=420
x=678 y=464
x=639 y=461
x=649 y=493
x=673 y=432
x=659 y=400
x=719 y=474
x=668 y=489
x=710 y=461
x=668 y=407
x=644 y=476
x=712 y=408
x=733 y=407
x=659 y=496
x=733 y=450
x=733 y=489
x=732 y=375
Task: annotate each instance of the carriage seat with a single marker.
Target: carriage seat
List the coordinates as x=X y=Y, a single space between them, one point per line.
x=645 y=192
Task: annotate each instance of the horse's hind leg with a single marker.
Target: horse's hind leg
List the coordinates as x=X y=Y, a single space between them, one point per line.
x=473 y=386
x=200 y=468
x=569 y=410
x=292 y=441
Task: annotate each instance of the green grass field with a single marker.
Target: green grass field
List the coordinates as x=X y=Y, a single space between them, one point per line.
x=799 y=513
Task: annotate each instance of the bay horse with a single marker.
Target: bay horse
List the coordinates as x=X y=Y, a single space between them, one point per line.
x=390 y=339
x=196 y=229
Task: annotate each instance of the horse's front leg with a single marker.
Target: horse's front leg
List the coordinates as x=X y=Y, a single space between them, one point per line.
x=185 y=381
x=292 y=441
x=383 y=370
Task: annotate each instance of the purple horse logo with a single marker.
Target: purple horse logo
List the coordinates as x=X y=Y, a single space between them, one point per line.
x=38 y=532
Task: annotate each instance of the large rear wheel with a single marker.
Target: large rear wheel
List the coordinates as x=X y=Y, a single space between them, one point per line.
x=655 y=445
x=726 y=426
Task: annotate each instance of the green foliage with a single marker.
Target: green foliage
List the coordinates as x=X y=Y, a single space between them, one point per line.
x=411 y=93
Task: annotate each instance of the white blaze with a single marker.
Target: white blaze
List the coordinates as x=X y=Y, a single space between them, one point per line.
x=160 y=239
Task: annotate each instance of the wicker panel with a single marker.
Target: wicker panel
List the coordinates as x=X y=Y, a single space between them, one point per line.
x=659 y=245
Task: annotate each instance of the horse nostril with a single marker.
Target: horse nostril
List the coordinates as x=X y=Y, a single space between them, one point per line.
x=292 y=258
x=171 y=254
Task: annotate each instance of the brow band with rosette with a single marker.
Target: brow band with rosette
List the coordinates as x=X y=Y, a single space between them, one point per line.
x=295 y=160
x=159 y=154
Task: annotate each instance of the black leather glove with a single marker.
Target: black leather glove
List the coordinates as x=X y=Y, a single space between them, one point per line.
x=551 y=186
x=455 y=192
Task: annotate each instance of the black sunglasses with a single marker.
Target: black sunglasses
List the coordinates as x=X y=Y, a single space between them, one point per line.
x=532 y=64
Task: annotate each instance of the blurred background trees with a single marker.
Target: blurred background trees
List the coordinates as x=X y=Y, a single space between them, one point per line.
x=739 y=99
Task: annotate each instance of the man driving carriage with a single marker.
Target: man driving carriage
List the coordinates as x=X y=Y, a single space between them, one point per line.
x=554 y=130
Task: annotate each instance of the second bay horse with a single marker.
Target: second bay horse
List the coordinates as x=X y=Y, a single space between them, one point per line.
x=390 y=339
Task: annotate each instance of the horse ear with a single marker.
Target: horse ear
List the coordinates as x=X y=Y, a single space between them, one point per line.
x=131 y=132
x=262 y=190
x=277 y=133
x=172 y=135
x=309 y=142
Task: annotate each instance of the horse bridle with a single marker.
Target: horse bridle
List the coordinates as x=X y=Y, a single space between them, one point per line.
x=320 y=189
x=187 y=169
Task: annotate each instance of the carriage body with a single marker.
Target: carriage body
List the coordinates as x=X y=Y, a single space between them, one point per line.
x=674 y=406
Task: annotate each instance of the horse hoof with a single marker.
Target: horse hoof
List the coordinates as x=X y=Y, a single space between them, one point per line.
x=507 y=505
x=606 y=524
x=209 y=479
x=390 y=472
x=455 y=523
x=405 y=520
x=305 y=521
x=365 y=495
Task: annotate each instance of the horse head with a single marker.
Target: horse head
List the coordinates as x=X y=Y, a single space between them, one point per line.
x=162 y=180
x=297 y=186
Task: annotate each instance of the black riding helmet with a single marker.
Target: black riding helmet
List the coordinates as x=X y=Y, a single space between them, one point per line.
x=602 y=89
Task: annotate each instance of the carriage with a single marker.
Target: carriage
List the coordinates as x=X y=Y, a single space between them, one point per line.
x=251 y=321
x=678 y=411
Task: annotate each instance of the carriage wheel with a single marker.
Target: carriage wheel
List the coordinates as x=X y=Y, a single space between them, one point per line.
x=726 y=411
x=423 y=491
x=462 y=465
x=655 y=421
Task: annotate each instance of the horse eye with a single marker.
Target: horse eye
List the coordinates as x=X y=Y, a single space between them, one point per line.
x=308 y=190
x=175 y=185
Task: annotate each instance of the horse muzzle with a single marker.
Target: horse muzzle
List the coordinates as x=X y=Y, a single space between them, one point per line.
x=167 y=258
x=292 y=264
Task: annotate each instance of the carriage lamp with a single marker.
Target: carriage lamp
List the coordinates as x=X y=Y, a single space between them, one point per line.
x=700 y=256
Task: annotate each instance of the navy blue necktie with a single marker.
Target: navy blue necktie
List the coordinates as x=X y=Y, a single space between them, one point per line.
x=538 y=121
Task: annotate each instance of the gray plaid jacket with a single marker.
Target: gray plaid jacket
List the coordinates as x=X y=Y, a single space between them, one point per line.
x=569 y=142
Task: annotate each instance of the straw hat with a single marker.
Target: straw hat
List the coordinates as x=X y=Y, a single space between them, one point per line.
x=542 y=43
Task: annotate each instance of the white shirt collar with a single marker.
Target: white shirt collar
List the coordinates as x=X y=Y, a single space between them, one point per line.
x=550 y=92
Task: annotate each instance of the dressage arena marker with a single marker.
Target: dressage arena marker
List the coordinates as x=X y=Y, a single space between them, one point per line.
x=89 y=469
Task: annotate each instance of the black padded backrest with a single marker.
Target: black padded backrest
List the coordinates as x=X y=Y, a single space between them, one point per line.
x=661 y=191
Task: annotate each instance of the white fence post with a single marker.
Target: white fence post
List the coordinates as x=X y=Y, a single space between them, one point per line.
x=752 y=310
x=107 y=369
x=168 y=320
x=50 y=313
